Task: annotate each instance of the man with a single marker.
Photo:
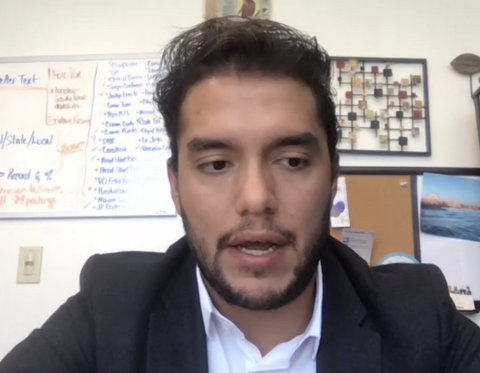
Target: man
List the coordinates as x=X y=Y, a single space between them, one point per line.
x=257 y=285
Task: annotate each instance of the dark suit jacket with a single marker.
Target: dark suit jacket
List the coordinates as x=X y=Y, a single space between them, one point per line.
x=139 y=312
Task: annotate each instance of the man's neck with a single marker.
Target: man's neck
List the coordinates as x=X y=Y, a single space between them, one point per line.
x=267 y=329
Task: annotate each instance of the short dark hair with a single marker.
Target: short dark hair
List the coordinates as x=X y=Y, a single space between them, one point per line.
x=239 y=45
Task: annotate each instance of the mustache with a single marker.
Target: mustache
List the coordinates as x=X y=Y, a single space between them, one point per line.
x=223 y=240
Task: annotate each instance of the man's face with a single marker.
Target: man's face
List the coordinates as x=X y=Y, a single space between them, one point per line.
x=253 y=186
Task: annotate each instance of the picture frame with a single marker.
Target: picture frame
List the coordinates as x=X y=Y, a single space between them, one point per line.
x=382 y=105
x=242 y=8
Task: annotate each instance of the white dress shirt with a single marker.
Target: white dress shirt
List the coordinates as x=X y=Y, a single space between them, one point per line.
x=230 y=352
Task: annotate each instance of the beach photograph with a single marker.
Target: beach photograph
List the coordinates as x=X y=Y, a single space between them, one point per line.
x=450 y=206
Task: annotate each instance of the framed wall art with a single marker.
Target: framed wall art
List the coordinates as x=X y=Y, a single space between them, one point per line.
x=242 y=8
x=382 y=105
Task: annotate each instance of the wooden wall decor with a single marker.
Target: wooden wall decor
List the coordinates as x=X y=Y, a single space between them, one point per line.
x=382 y=105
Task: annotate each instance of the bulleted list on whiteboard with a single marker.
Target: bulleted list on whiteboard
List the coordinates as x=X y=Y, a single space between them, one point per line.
x=82 y=138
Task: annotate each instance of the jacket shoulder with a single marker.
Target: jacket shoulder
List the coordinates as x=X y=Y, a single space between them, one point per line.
x=395 y=281
x=397 y=293
x=410 y=306
x=120 y=267
x=394 y=277
x=130 y=279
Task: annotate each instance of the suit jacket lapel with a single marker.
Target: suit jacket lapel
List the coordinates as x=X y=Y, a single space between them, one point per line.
x=176 y=341
x=349 y=341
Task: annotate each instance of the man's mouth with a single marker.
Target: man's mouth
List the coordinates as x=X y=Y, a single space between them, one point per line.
x=257 y=248
x=258 y=243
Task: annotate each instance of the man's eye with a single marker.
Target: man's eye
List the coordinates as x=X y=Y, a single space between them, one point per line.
x=219 y=165
x=295 y=162
x=214 y=166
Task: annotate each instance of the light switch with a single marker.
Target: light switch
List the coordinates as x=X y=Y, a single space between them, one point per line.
x=29 y=265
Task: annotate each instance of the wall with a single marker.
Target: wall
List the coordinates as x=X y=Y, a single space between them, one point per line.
x=438 y=30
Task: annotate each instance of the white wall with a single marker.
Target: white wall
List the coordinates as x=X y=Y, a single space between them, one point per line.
x=438 y=30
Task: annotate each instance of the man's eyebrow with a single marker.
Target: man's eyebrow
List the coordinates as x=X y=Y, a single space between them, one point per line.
x=306 y=139
x=199 y=144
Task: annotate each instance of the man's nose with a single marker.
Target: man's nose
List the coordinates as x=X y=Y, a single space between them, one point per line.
x=255 y=191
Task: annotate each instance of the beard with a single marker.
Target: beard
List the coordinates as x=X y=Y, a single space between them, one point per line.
x=303 y=273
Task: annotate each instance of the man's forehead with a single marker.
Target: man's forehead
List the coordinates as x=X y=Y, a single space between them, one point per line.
x=244 y=84
x=227 y=100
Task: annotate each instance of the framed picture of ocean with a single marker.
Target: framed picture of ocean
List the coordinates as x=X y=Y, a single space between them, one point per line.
x=449 y=225
x=450 y=206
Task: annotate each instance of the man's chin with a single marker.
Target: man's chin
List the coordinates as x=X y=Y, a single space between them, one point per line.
x=260 y=302
x=257 y=295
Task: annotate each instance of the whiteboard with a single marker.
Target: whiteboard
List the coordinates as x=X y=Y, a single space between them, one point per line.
x=80 y=136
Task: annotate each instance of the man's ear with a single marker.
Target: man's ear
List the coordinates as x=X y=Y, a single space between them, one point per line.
x=173 y=179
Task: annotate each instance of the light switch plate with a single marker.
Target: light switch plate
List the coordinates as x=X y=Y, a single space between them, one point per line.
x=29 y=265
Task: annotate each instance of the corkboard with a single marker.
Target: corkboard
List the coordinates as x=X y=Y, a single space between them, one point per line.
x=382 y=204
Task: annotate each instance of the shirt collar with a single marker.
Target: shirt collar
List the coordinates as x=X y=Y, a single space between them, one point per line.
x=313 y=329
